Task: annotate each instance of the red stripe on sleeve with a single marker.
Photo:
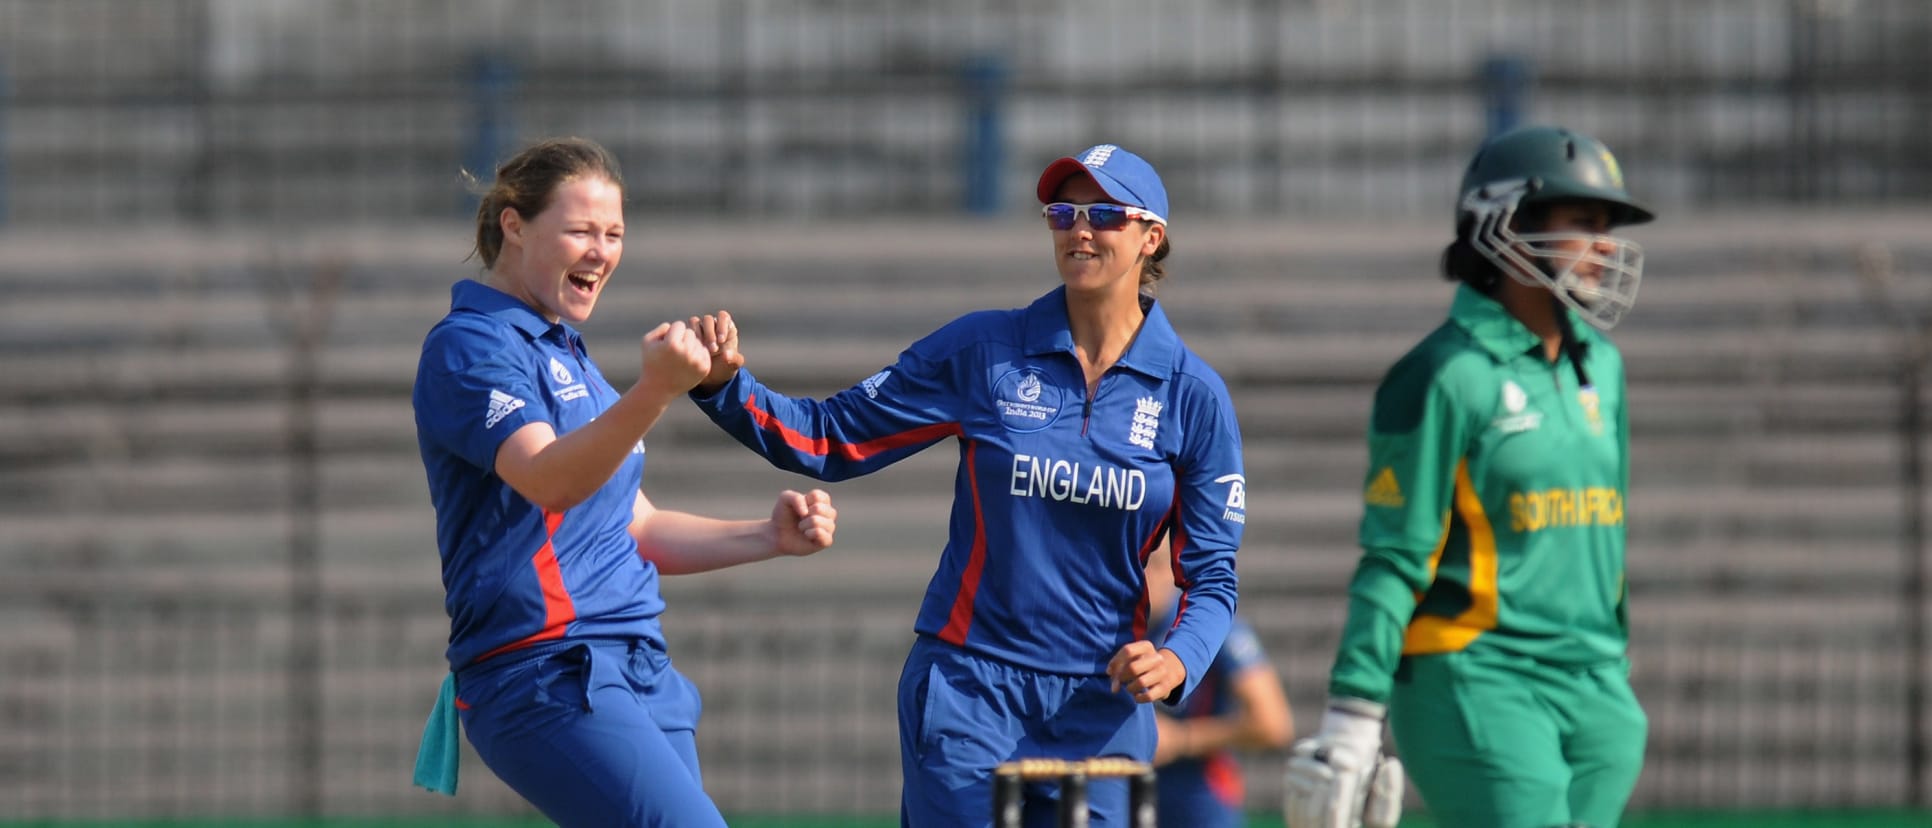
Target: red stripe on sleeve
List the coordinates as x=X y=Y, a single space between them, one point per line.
x=960 y=621
x=558 y=609
x=825 y=447
x=1146 y=551
x=1180 y=573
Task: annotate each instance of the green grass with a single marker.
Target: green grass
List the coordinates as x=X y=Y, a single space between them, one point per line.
x=1710 y=819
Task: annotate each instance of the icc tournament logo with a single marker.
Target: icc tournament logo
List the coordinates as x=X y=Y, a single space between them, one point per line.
x=1025 y=403
x=1514 y=418
x=570 y=388
x=1030 y=389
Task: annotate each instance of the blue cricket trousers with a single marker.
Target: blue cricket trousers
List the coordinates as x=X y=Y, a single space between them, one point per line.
x=594 y=734
x=960 y=715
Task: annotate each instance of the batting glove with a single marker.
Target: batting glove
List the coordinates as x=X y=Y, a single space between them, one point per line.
x=1339 y=778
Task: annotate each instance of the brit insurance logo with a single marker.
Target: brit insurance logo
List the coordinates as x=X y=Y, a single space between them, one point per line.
x=1237 y=508
x=568 y=386
x=1025 y=402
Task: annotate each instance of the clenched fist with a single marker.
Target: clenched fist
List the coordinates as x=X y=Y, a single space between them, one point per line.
x=719 y=333
x=803 y=523
x=675 y=359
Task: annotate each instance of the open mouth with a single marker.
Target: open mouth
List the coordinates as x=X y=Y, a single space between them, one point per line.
x=584 y=282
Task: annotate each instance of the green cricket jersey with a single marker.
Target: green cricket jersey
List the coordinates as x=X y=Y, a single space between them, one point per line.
x=1494 y=503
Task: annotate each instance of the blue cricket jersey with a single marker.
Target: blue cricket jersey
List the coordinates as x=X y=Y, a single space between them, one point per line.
x=515 y=574
x=1059 y=498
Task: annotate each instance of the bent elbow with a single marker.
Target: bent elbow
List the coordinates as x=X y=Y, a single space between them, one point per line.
x=558 y=501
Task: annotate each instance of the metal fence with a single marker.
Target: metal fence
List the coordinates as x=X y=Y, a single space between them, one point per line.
x=227 y=111
x=222 y=595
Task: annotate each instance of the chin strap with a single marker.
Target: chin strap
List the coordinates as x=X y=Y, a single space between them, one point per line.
x=1572 y=346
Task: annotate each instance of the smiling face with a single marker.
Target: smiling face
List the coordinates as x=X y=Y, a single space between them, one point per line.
x=559 y=260
x=1100 y=261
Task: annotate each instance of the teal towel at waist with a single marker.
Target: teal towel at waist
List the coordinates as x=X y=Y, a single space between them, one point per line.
x=442 y=743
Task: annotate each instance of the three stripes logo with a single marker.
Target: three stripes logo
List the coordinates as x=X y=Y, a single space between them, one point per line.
x=501 y=405
x=1384 y=491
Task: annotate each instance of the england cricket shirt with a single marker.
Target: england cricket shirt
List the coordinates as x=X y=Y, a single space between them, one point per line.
x=1058 y=498
x=514 y=573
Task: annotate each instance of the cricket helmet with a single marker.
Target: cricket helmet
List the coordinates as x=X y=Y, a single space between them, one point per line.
x=1595 y=275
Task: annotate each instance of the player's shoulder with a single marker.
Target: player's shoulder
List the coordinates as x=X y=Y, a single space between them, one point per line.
x=1447 y=365
x=1191 y=369
x=465 y=337
x=1448 y=357
x=972 y=329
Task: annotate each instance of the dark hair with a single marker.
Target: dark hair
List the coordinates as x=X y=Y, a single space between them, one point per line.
x=1462 y=263
x=526 y=182
x=1151 y=271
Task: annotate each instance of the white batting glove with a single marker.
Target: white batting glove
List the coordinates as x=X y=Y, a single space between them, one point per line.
x=1339 y=778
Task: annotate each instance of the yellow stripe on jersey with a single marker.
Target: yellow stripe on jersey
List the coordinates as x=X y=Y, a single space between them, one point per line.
x=1434 y=633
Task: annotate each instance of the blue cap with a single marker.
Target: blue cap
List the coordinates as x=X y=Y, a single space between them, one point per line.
x=1122 y=175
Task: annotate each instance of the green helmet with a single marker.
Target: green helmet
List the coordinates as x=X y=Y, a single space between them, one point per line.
x=1558 y=164
x=1595 y=275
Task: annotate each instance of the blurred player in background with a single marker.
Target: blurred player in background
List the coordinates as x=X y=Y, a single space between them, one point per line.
x=1087 y=432
x=1240 y=705
x=1487 y=614
x=550 y=552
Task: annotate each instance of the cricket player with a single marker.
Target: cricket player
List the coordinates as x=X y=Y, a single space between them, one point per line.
x=1487 y=614
x=551 y=553
x=1087 y=432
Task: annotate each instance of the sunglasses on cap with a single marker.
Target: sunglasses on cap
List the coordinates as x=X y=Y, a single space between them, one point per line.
x=1060 y=215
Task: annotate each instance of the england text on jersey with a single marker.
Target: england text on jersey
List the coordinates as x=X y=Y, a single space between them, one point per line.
x=1104 y=486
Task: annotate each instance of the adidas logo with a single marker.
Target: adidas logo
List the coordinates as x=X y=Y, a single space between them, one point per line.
x=872 y=383
x=1384 y=491
x=501 y=405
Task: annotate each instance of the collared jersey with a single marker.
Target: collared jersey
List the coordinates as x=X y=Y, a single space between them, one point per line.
x=1058 y=499
x=515 y=574
x=1494 y=503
